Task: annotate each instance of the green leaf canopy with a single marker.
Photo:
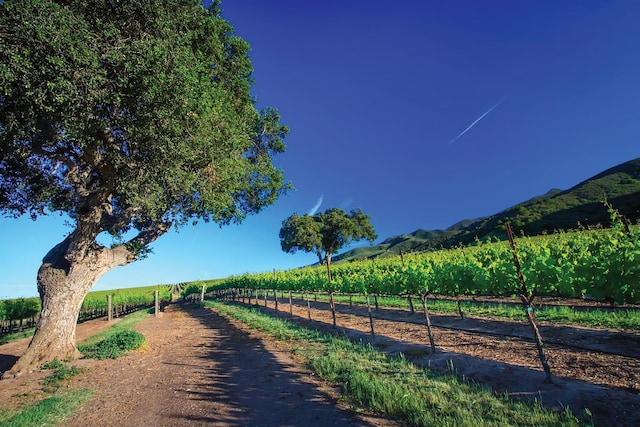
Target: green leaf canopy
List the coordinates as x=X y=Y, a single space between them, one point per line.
x=130 y=114
x=326 y=232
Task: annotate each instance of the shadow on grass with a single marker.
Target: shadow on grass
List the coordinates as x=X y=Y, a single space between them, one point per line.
x=520 y=383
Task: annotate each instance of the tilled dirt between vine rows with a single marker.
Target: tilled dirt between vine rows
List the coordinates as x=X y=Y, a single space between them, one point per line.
x=197 y=369
x=493 y=353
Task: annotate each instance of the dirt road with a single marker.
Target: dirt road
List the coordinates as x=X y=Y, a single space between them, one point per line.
x=200 y=369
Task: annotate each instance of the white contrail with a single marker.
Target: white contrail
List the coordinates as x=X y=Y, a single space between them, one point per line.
x=315 y=207
x=477 y=120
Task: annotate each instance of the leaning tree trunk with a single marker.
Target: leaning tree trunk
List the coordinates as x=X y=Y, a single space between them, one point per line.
x=67 y=274
x=55 y=334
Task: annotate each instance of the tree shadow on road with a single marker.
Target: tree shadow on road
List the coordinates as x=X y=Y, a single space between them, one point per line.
x=7 y=361
x=253 y=386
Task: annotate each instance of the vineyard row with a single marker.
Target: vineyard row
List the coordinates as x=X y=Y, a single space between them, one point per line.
x=600 y=264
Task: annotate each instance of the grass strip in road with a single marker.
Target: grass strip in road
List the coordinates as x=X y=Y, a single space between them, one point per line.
x=394 y=386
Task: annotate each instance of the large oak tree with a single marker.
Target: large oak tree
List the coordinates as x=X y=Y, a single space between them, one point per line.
x=129 y=117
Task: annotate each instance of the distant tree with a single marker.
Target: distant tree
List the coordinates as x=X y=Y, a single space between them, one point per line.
x=130 y=118
x=302 y=233
x=325 y=233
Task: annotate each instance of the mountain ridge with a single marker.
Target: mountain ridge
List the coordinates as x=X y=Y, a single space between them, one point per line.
x=579 y=206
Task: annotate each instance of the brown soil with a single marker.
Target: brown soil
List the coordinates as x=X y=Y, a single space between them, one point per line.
x=197 y=369
x=201 y=369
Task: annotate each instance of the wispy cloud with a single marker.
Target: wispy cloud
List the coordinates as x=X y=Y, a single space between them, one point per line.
x=315 y=207
x=477 y=120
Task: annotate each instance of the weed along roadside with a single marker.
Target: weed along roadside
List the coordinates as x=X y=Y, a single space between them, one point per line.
x=392 y=385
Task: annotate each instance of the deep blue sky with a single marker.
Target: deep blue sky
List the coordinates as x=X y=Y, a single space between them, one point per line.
x=374 y=92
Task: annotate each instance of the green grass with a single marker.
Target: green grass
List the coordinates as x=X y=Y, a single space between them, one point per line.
x=395 y=387
x=48 y=412
x=114 y=346
x=125 y=324
x=113 y=342
x=622 y=319
x=61 y=372
x=16 y=336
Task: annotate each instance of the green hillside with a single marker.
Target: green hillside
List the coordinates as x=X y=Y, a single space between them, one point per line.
x=581 y=205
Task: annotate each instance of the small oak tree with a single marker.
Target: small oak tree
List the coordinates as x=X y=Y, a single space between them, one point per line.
x=325 y=233
x=130 y=118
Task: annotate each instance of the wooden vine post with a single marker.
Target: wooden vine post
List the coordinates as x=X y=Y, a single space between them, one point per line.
x=527 y=300
x=423 y=297
x=333 y=308
x=290 y=303
x=308 y=306
x=202 y=294
x=373 y=334
x=275 y=292
x=411 y=310
x=275 y=299
x=457 y=295
x=460 y=313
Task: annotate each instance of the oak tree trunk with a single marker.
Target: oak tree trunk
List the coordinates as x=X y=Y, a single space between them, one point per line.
x=65 y=277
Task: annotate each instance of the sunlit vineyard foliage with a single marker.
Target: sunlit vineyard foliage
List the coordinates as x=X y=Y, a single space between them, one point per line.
x=602 y=264
x=15 y=314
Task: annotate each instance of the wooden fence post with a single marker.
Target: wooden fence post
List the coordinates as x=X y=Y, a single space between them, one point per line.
x=156 y=298
x=109 y=308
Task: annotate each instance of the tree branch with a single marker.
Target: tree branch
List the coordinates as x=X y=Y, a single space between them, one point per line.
x=137 y=247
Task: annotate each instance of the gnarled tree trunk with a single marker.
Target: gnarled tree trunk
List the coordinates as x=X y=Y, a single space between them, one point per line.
x=65 y=277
